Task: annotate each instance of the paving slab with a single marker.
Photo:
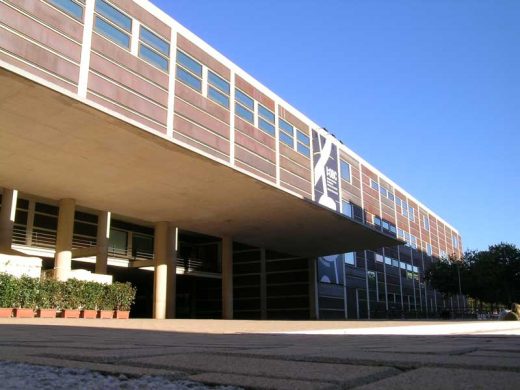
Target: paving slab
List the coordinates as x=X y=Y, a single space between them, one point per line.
x=271 y=368
x=264 y=355
x=447 y=379
x=258 y=382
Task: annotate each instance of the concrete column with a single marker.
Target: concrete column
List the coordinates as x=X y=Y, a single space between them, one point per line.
x=103 y=234
x=227 y=278
x=165 y=255
x=263 y=285
x=63 y=256
x=314 y=312
x=7 y=214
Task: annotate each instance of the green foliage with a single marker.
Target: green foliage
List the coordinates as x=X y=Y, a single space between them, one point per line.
x=8 y=290
x=50 y=295
x=491 y=275
x=73 y=294
x=26 y=292
x=122 y=295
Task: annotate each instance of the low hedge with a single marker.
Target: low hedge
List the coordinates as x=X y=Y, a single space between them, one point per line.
x=33 y=293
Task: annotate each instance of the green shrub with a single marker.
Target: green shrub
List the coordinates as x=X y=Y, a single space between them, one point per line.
x=73 y=294
x=92 y=295
x=8 y=290
x=26 y=292
x=50 y=294
x=123 y=295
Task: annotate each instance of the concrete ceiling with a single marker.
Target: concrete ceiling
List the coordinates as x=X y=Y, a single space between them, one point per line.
x=57 y=147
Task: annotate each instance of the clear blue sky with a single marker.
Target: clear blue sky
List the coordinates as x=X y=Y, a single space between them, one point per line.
x=428 y=91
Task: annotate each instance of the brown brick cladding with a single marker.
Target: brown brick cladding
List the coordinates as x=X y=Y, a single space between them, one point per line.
x=30 y=42
x=255 y=150
x=295 y=168
x=127 y=84
x=199 y=121
x=370 y=195
x=387 y=205
x=351 y=191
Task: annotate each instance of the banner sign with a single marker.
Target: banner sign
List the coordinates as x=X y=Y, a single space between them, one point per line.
x=326 y=177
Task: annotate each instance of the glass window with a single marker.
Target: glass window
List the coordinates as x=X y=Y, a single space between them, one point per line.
x=244 y=113
x=153 y=49
x=345 y=170
x=112 y=33
x=455 y=242
x=304 y=150
x=374 y=185
x=113 y=15
x=383 y=191
x=303 y=138
x=390 y=196
x=395 y=263
x=218 y=97
x=350 y=258
x=286 y=127
x=153 y=57
x=415 y=269
x=70 y=7
x=426 y=222
x=154 y=41
x=286 y=132
x=286 y=139
x=218 y=82
x=266 y=126
x=265 y=113
x=412 y=213
x=346 y=209
x=244 y=99
x=429 y=249
x=189 y=63
x=189 y=79
x=377 y=221
x=379 y=258
x=402 y=265
x=388 y=260
x=386 y=225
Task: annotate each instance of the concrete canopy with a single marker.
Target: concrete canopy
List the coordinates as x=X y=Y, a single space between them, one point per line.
x=54 y=146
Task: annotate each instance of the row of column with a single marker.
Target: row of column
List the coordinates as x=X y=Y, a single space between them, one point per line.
x=165 y=253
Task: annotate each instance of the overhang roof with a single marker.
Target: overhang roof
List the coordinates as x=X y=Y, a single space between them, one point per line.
x=54 y=146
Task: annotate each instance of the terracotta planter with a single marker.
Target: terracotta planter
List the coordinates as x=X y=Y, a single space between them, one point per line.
x=6 y=312
x=106 y=314
x=24 y=313
x=89 y=314
x=70 y=313
x=122 y=314
x=46 y=313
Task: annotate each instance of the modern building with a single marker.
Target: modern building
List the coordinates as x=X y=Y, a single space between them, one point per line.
x=129 y=146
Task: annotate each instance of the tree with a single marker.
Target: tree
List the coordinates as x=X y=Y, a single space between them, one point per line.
x=491 y=275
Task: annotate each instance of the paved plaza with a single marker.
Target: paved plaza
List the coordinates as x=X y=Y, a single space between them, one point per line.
x=276 y=354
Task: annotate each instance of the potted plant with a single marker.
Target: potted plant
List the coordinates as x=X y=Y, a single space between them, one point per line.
x=90 y=298
x=106 y=303
x=48 y=298
x=71 y=292
x=123 y=297
x=7 y=295
x=25 y=297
